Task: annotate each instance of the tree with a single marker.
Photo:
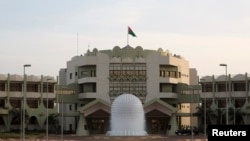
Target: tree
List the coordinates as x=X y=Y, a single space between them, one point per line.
x=53 y=122
x=16 y=114
x=200 y=114
x=212 y=116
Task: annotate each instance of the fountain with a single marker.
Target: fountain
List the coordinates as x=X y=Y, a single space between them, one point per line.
x=127 y=117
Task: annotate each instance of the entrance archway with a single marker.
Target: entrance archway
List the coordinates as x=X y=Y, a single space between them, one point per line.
x=94 y=118
x=98 y=122
x=158 y=115
x=157 y=122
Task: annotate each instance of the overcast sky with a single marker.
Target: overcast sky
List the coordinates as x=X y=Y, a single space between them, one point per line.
x=43 y=33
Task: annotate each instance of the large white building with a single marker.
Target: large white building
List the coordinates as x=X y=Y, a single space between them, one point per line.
x=156 y=77
x=170 y=91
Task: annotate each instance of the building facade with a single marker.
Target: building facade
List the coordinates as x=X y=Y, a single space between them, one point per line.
x=156 y=77
x=170 y=91
x=82 y=96
x=27 y=93
x=226 y=99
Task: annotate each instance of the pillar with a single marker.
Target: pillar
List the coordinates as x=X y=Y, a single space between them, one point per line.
x=82 y=128
x=173 y=125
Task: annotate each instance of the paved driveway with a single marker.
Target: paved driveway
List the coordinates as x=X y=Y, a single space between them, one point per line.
x=109 y=138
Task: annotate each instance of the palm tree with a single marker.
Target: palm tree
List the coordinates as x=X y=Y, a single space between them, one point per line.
x=231 y=114
x=16 y=114
x=200 y=114
x=53 y=122
x=239 y=116
x=221 y=116
x=212 y=116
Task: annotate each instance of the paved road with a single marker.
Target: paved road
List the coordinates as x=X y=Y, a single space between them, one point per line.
x=109 y=138
x=145 y=138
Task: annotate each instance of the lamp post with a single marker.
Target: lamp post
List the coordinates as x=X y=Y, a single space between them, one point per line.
x=225 y=65
x=47 y=106
x=234 y=110
x=205 y=107
x=191 y=111
x=62 y=116
x=24 y=95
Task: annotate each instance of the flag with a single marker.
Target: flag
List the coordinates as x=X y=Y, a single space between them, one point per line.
x=130 y=32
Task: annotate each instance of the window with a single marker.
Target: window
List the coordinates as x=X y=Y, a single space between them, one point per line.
x=221 y=87
x=50 y=87
x=16 y=87
x=207 y=87
x=33 y=103
x=15 y=103
x=172 y=74
x=76 y=106
x=221 y=103
x=70 y=76
x=239 y=86
x=134 y=75
x=87 y=87
x=93 y=73
x=70 y=107
x=32 y=87
x=2 y=103
x=2 y=86
x=70 y=127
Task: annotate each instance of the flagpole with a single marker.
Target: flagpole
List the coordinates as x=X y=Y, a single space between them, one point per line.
x=77 y=44
x=127 y=37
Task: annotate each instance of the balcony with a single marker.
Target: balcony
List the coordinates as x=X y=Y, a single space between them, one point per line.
x=32 y=95
x=221 y=94
x=86 y=79
x=3 y=94
x=50 y=95
x=239 y=94
x=206 y=95
x=15 y=94
x=87 y=95
x=168 y=79
x=168 y=95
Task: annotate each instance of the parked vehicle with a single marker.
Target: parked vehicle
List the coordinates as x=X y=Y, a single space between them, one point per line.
x=187 y=131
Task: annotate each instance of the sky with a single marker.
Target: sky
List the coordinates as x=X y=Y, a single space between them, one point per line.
x=48 y=33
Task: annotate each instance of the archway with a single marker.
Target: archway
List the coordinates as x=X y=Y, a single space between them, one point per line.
x=98 y=122
x=159 y=117
x=157 y=122
x=33 y=124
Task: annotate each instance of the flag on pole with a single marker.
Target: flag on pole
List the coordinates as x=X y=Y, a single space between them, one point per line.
x=130 y=32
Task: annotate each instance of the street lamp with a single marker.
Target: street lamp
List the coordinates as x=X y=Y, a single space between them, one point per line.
x=205 y=107
x=62 y=115
x=24 y=95
x=225 y=65
x=234 y=110
x=191 y=111
x=47 y=106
